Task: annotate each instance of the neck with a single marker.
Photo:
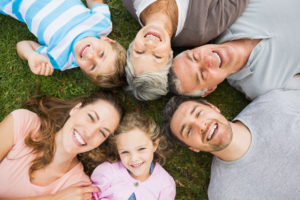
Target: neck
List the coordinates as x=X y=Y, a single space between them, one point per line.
x=241 y=140
x=62 y=160
x=245 y=47
x=164 y=12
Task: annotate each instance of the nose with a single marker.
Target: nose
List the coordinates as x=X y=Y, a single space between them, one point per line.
x=201 y=125
x=134 y=156
x=92 y=130
x=91 y=54
x=150 y=43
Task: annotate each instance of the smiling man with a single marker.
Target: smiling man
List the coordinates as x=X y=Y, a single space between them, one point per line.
x=255 y=155
x=256 y=54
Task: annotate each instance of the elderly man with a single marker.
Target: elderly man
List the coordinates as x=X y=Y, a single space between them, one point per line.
x=256 y=155
x=185 y=23
x=258 y=53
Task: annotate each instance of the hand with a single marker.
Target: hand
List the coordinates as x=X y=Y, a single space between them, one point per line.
x=90 y=3
x=78 y=191
x=40 y=65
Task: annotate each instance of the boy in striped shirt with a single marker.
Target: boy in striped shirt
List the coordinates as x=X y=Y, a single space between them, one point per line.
x=69 y=35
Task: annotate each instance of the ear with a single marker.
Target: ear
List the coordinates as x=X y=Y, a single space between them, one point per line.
x=194 y=149
x=107 y=39
x=210 y=90
x=75 y=109
x=155 y=144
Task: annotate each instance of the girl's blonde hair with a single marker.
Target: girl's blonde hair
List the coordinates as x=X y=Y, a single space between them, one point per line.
x=148 y=126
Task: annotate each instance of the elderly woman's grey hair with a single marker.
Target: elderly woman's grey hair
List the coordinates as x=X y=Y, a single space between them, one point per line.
x=148 y=86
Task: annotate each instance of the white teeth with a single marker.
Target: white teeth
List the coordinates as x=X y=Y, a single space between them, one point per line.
x=79 y=138
x=219 y=59
x=137 y=164
x=85 y=49
x=212 y=132
x=153 y=36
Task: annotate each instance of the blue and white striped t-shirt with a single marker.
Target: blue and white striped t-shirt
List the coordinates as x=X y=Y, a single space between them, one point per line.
x=59 y=24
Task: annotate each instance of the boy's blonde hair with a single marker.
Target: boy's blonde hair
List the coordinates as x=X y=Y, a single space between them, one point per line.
x=117 y=78
x=148 y=126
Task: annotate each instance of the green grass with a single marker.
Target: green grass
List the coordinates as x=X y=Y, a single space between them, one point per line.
x=191 y=171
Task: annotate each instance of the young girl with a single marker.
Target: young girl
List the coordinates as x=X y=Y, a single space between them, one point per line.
x=138 y=175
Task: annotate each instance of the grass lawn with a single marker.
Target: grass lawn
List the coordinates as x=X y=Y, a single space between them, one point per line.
x=191 y=171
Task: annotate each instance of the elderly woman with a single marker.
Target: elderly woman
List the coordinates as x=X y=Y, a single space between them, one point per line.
x=184 y=23
x=41 y=150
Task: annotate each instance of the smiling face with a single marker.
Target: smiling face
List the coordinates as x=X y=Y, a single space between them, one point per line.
x=95 y=56
x=151 y=50
x=206 y=66
x=136 y=152
x=88 y=126
x=201 y=127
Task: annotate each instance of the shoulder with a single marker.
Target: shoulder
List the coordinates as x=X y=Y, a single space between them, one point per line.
x=24 y=121
x=162 y=176
x=105 y=171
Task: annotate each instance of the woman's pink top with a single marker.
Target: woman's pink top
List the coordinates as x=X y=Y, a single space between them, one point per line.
x=115 y=183
x=14 y=177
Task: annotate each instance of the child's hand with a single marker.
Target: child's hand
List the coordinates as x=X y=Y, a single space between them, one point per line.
x=40 y=65
x=90 y=3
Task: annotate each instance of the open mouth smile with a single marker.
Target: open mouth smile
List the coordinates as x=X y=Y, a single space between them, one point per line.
x=153 y=35
x=83 y=50
x=212 y=131
x=78 y=138
x=136 y=165
x=219 y=58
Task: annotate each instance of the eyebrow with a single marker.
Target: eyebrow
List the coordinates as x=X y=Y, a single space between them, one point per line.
x=107 y=130
x=96 y=114
x=193 y=110
x=181 y=130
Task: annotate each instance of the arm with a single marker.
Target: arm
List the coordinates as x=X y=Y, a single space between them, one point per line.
x=38 y=64
x=90 y=3
x=6 y=136
x=75 y=192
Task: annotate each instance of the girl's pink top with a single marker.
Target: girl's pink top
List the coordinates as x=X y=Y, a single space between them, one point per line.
x=14 y=177
x=115 y=182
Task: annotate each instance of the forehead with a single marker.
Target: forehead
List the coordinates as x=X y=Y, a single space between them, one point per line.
x=185 y=71
x=132 y=138
x=147 y=63
x=182 y=115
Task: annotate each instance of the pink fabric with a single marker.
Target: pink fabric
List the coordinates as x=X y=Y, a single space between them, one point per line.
x=115 y=183
x=14 y=177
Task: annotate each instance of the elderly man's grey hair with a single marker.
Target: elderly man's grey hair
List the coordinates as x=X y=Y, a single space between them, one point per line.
x=148 y=86
x=175 y=86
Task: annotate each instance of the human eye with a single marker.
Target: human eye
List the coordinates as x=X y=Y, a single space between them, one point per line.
x=103 y=133
x=92 y=67
x=158 y=57
x=124 y=152
x=91 y=117
x=195 y=58
x=202 y=76
x=198 y=114
x=101 y=54
x=142 y=148
x=139 y=52
x=189 y=131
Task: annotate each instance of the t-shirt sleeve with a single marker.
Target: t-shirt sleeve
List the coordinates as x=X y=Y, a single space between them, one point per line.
x=101 y=177
x=25 y=122
x=101 y=9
